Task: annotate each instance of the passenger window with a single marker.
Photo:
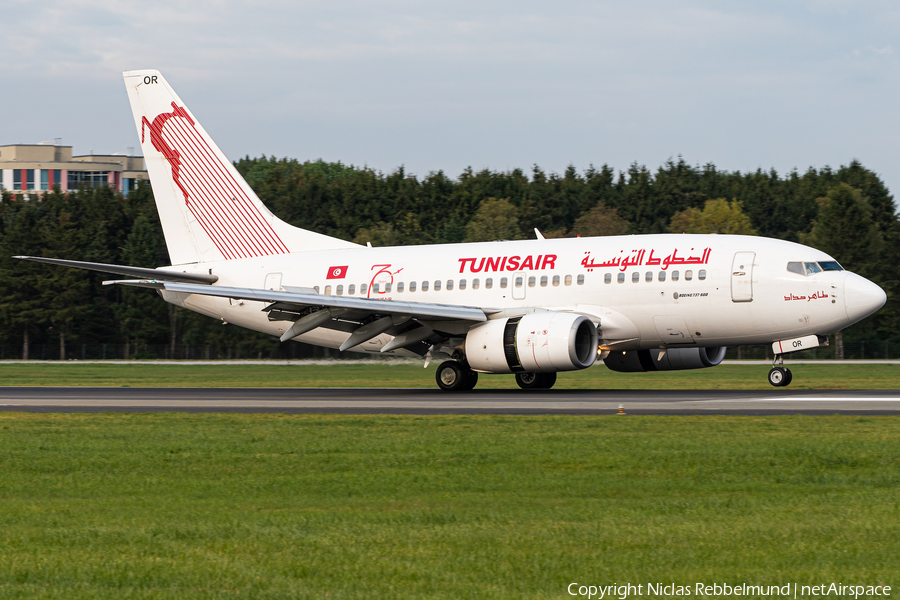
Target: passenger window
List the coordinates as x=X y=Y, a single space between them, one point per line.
x=503 y=282
x=327 y=290
x=674 y=275
x=812 y=268
x=635 y=277
x=340 y=290
x=580 y=280
x=568 y=280
x=437 y=285
x=424 y=286
x=376 y=287
x=648 y=276
x=351 y=289
x=316 y=288
x=662 y=276
x=488 y=283
x=621 y=278
x=796 y=267
x=412 y=286
x=701 y=274
x=607 y=278
x=475 y=283
x=362 y=289
x=556 y=281
x=688 y=275
x=519 y=282
x=449 y=284
x=400 y=288
x=462 y=284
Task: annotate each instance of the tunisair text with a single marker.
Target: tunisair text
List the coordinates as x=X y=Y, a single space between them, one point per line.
x=508 y=263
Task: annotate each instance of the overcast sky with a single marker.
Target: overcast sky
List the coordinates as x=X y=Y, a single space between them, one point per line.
x=499 y=85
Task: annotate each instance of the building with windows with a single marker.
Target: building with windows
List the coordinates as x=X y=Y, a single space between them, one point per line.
x=35 y=168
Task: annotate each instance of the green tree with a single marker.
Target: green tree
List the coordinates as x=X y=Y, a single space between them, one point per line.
x=600 y=220
x=22 y=310
x=380 y=234
x=845 y=230
x=717 y=216
x=495 y=219
x=64 y=292
x=143 y=317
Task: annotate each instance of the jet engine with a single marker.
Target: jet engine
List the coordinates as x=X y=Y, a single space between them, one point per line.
x=541 y=342
x=674 y=359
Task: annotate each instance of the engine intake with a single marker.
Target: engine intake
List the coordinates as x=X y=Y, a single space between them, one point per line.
x=675 y=359
x=543 y=342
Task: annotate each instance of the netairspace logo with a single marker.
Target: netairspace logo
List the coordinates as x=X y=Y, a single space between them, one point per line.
x=716 y=590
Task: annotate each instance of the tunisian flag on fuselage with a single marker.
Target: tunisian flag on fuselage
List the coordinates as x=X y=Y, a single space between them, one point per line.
x=337 y=272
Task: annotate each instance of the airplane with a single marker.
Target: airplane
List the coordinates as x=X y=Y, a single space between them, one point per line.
x=531 y=308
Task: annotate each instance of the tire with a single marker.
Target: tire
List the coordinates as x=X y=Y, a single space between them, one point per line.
x=527 y=381
x=451 y=377
x=471 y=380
x=788 y=377
x=549 y=379
x=535 y=381
x=778 y=377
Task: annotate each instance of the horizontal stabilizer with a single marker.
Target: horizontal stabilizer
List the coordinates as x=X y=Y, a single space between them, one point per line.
x=156 y=274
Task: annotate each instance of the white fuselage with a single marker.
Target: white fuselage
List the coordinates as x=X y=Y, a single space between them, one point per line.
x=643 y=291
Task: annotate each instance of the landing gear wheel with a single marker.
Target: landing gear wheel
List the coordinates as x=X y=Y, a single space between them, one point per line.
x=779 y=376
x=535 y=381
x=452 y=376
x=471 y=380
x=787 y=377
x=549 y=379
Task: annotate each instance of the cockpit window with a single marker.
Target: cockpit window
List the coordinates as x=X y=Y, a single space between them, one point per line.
x=812 y=268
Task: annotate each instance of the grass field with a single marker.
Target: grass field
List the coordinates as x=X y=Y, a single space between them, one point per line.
x=326 y=506
x=739 y=377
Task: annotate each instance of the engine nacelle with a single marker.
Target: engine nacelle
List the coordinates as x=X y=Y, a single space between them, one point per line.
x=675 y=359
x=542 y=342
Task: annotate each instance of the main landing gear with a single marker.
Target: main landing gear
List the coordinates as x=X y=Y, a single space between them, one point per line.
x=780 y=376
x=453 y=376
x=535 y=381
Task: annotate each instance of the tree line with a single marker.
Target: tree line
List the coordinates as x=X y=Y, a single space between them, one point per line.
x=847 y=212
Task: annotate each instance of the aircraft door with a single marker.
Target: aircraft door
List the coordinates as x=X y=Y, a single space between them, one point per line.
x=273 y=281
x=742 y=277
x=518 y=286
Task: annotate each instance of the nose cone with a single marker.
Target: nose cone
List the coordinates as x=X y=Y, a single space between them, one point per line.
x=861 y=297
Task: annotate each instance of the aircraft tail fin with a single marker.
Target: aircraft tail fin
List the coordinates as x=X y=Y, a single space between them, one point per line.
x=207 y=210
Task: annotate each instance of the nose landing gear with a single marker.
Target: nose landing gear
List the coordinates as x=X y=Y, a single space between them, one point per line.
x=780 y=376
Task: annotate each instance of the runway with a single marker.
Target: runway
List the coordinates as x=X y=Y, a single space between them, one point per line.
x=425 y=402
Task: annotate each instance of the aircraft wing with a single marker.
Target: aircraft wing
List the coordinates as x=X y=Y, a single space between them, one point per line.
x=364 y=318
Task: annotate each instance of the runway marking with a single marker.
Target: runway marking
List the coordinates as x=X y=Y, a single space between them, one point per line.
x=802 y=399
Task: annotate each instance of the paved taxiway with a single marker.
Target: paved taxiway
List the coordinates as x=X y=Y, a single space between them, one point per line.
x=418 y=401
